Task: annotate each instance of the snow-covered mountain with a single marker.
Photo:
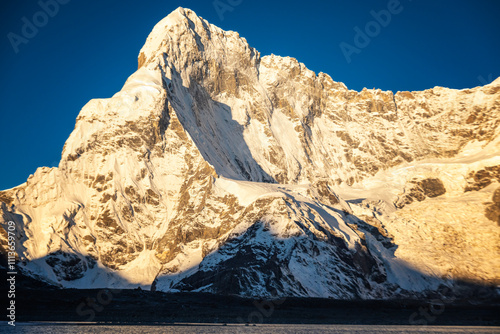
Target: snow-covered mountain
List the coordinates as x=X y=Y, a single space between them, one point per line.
x=216 y=169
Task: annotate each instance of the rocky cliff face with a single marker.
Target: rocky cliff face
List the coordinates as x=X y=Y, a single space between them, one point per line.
x=215 y=169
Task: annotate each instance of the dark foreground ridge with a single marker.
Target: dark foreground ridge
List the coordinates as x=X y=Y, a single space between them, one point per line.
x=36 y=302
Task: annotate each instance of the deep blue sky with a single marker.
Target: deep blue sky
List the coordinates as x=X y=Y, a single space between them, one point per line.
x=89 y=48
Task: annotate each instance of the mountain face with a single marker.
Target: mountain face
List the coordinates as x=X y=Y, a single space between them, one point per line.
x=218 y=170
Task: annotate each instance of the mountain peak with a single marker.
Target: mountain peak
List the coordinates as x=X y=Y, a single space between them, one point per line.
x=217 y=170
x=181 y=15
x=180 y=22
x=185 y=37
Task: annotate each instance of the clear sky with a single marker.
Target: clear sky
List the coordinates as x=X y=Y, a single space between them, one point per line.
x=88 y=48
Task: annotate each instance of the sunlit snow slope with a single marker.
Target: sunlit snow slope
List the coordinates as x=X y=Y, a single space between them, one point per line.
x=215 y=169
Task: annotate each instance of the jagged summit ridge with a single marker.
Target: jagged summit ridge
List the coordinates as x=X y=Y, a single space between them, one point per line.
x=215 y=169
x=224 y=67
